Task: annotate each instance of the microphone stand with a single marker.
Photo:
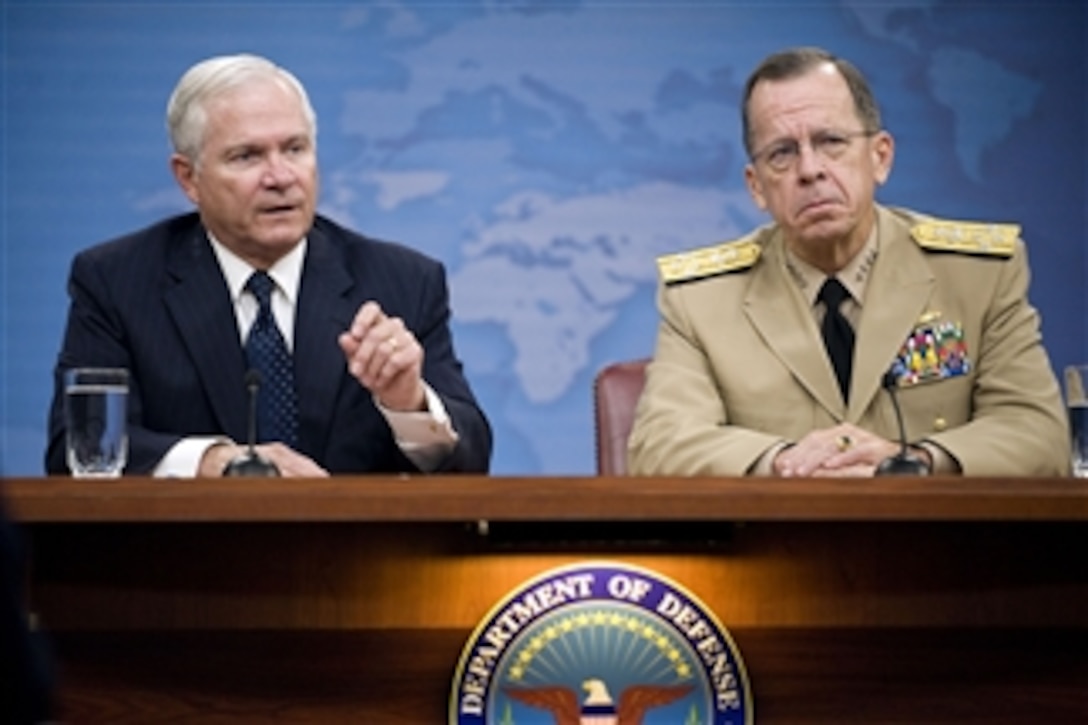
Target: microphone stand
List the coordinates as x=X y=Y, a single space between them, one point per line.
x=252 y=464
x=903 y=463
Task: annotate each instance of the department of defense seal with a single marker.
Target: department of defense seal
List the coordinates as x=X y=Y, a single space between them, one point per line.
x=600 y=643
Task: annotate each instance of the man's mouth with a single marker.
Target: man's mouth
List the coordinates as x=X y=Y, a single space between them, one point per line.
x=816 y=205
x=279 y=209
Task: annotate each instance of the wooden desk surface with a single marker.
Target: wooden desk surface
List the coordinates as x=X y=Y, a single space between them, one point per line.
x=509 y=498
x=894 y=600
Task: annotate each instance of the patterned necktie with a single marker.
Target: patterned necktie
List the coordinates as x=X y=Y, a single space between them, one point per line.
x=837 y=332
x=277 y=408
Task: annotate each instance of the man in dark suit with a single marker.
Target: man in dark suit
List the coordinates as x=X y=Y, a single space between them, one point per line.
x=362 y=326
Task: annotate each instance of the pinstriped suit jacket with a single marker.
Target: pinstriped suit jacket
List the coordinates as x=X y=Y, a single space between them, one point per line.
x=156 y=302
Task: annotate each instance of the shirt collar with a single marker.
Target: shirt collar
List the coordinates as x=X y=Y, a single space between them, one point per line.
x=854 y=276
x=286 y=272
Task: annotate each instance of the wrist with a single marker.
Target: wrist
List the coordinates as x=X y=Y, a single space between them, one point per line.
x=216 y=458
x=416 y=404
x=922 y=453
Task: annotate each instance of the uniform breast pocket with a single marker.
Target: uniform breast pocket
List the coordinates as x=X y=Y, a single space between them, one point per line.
x=933 y=407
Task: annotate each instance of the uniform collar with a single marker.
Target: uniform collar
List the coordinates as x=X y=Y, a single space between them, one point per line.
x=854 y=276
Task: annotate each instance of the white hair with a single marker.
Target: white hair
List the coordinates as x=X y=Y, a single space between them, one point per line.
x=186 y=116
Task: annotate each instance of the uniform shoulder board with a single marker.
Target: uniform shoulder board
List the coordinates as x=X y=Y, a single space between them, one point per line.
x=967 y=237
x=708 y=261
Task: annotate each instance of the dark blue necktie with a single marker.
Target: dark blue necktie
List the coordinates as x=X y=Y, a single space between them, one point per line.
x=277 y=408
x=838 y=334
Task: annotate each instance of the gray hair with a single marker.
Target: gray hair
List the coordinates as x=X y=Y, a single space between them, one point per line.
x=796 y=62
x=186 y=116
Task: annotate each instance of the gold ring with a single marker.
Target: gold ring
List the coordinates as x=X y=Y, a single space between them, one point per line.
x=843 y=443
x=392 y=342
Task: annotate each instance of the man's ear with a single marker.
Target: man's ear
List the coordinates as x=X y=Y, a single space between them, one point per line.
x=755 y=186
x=883 y=151
x=185 y=173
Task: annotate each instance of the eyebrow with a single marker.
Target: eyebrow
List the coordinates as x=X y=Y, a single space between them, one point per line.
x=257 y=145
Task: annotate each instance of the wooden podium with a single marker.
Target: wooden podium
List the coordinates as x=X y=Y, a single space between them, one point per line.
x=943 y=600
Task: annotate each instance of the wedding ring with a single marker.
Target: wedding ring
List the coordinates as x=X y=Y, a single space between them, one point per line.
x=391 y=341
x=843 y=443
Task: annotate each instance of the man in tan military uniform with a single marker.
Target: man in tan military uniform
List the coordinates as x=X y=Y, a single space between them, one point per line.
x=741 y=382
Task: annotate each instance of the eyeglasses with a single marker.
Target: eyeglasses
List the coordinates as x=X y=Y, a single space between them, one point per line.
x=829 y=145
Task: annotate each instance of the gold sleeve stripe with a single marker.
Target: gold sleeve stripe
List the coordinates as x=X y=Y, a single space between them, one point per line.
x=967 y=237
x=708 y=261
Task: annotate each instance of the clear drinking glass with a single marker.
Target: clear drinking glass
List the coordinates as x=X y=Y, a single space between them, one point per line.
x=1076 y=399
x=95 y=409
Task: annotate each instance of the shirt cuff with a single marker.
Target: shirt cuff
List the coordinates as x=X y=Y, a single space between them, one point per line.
x=764 y=464
x=425 y=437
x=943 y=461
x=183 y=459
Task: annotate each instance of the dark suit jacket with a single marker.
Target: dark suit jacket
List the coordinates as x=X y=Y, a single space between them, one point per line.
x=156 y=302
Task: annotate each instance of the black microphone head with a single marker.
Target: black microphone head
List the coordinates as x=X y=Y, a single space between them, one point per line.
x=251 y=464
x=902 y=464
x=888 y=381
x=252 y=378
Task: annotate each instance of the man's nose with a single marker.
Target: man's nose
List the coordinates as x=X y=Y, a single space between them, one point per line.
x=810 y=165
x=278 y=171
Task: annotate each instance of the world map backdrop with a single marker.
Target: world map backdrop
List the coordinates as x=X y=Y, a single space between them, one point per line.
x=546 y=152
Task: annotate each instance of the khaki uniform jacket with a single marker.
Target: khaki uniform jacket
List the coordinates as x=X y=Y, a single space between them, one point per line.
x=740 y=365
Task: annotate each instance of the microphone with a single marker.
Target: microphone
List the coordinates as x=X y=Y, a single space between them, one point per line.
x=903 y=463
x=251 y=463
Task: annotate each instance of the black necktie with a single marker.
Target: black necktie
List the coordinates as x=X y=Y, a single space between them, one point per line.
x=277 y=410
x=837 y=332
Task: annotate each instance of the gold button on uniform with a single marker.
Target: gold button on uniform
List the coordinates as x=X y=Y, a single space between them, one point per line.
x=940 y=424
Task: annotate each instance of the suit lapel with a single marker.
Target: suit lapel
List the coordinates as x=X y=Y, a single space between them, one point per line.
x=895 y=297
x=199 y=303
x=782 y=317
x=325 y=309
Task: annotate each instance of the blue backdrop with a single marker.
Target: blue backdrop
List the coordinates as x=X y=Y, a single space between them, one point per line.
x=545 y=151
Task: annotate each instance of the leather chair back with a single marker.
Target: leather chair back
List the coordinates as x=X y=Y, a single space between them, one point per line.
x=616 y=390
